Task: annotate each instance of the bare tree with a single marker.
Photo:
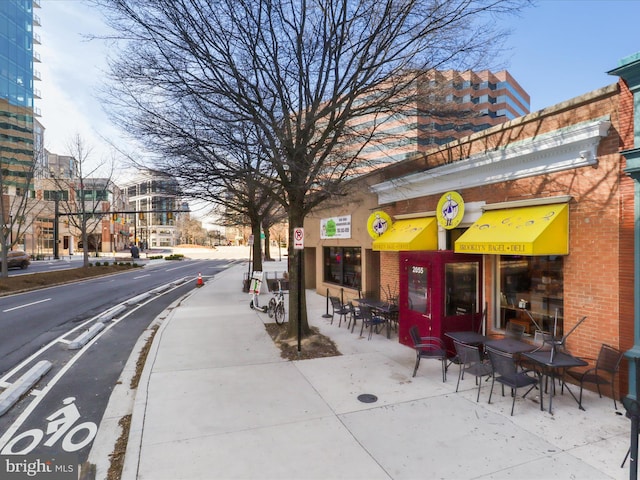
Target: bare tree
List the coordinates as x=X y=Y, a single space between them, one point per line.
x=18 y=208
x=316 y=78
x=83 y=197
x=226 y=165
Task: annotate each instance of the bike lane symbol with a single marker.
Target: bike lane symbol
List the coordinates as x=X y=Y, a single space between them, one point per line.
x=60 y=426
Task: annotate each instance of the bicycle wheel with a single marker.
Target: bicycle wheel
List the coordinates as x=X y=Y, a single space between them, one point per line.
x=271 y=308
x=279 y=313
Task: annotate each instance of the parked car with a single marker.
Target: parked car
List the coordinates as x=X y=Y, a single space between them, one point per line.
x=18 y=258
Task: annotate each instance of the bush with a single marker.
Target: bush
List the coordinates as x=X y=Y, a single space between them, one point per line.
x=175 y=256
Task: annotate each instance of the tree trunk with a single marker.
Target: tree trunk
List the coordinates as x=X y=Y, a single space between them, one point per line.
x=297 y=293
x=4 y=268
x=267 y=246
x=85 y=243
x=257 y=248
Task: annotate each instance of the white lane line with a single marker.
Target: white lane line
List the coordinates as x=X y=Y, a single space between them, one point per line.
x=19 y=421
x=142 y=276
x=178 y=268
x=26 y=305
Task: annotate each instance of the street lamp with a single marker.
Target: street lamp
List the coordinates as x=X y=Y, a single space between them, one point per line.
x=56 y=225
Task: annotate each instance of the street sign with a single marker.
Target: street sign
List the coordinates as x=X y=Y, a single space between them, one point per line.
x=298 y=238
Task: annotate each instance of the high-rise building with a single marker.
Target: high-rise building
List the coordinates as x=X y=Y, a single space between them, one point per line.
x=21 y=135
x=441 y=107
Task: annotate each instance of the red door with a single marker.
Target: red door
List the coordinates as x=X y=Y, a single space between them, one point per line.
x=440 y=291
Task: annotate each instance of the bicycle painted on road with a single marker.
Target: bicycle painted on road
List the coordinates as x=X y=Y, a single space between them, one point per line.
x=61 y=426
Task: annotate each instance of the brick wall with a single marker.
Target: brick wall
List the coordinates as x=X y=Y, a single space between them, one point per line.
x=389 y=273
x=598 y=272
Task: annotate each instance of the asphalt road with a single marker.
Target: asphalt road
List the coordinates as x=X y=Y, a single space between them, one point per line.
x=61 y=415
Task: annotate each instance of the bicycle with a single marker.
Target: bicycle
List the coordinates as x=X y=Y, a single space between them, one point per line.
x=276 y=306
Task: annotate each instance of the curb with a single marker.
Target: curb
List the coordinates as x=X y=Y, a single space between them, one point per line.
x=23 y=385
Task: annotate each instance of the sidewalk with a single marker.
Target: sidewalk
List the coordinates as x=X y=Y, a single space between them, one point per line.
x=216 y=401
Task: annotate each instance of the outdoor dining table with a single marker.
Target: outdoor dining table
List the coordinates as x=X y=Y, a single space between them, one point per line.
x=550 y=363
x=386 y=309
x=468 y=337
x=510 y=345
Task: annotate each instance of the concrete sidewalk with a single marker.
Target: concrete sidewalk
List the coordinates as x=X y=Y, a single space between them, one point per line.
x=217 y=401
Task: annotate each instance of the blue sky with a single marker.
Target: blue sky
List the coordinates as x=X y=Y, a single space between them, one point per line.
x=559 y=49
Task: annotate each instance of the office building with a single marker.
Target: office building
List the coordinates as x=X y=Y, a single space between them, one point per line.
x=154 y=199
x=441 y=107
x=21 y=136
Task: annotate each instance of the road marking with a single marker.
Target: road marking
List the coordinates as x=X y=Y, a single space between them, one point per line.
x=178 y=268
x=28 y=410
x=26 y=305
x=142 y=276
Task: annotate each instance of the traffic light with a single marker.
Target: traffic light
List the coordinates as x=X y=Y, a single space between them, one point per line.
x=114 y=217
x=141 y=215
x=169 y=215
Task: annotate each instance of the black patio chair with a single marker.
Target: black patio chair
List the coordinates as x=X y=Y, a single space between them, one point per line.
x=505 y=371
x=542 y=340
x=470 y=361
x=354 y=315
x=370 y=320
x=428 y=347
x=603 y=373
x=338 y=309
x=514 y=330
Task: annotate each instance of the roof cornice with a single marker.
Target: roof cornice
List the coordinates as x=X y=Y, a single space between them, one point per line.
x=564 y=149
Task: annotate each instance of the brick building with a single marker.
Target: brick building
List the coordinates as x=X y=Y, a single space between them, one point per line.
x=530 y=221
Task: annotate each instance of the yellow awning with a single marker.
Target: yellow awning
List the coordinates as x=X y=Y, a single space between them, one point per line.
x=538 y=230
x=410 y=234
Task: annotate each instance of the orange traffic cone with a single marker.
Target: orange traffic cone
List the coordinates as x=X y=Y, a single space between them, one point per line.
x=199 y=283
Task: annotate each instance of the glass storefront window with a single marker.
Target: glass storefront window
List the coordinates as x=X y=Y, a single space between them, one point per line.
x=531 y=283
x=418 y=289
x=461 y=283
x=342 y=266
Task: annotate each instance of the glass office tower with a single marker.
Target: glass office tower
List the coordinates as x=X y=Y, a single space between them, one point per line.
x=17 y=134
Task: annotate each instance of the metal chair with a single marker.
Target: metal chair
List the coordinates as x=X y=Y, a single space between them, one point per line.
x=514 y=330
x=603 y=373
x=428 y=347
x=338 y=309
x=470 y=361
x=505 y=371
x=542 y=340
x=370 y=320
x=354 y=315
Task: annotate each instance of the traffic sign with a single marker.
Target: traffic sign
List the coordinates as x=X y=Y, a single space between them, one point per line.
x=298 y=238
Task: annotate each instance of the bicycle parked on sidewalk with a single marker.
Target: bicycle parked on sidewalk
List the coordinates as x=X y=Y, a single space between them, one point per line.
x=276 y=306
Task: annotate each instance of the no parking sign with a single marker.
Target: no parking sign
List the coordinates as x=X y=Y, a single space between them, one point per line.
x=298 y=238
